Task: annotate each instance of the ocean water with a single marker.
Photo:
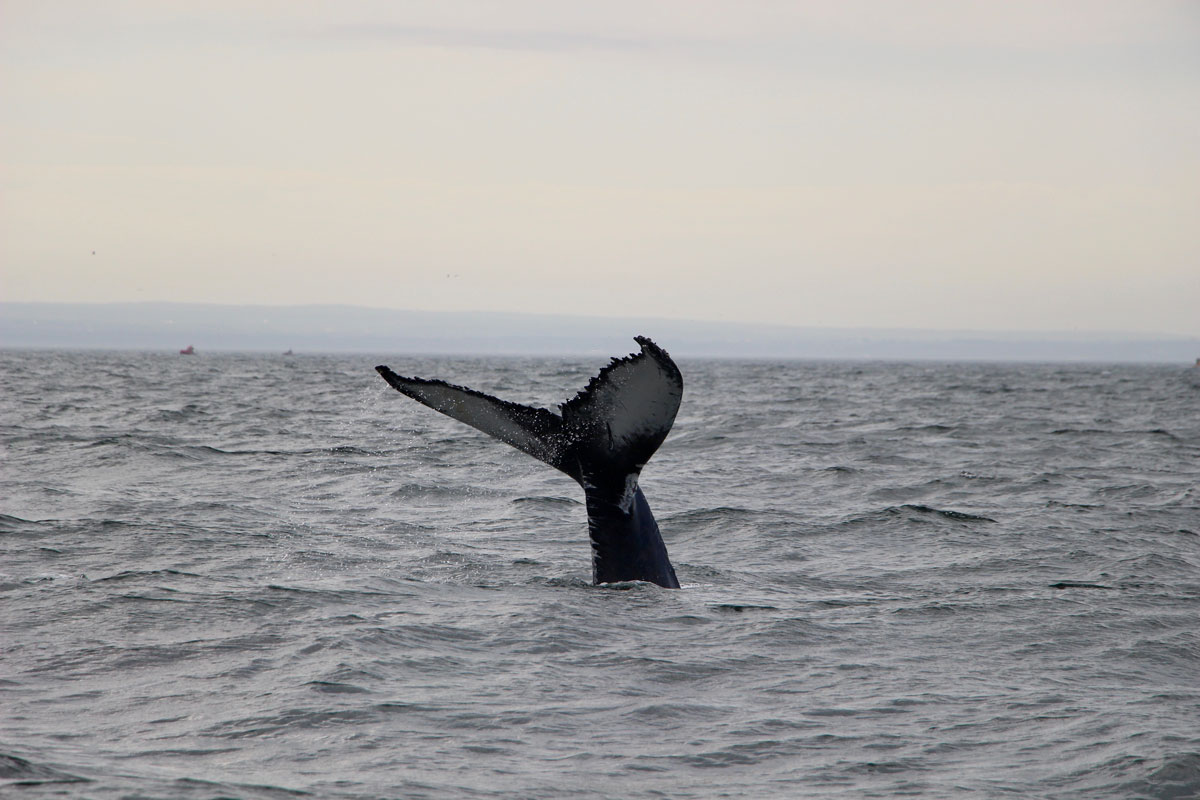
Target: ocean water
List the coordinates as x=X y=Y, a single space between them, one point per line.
x=264 y=577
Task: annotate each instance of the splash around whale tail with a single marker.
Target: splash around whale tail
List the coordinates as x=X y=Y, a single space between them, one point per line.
x=605 y=434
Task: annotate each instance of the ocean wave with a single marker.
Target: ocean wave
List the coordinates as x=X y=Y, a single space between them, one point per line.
x=913 y=512
x=285 y=585
x=547 y=501
x=17 y=771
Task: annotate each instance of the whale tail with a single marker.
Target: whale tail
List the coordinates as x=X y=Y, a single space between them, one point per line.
x=602 y=438
x=606 y=433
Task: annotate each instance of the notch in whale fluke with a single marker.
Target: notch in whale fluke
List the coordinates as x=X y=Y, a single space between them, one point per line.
x=602 y=438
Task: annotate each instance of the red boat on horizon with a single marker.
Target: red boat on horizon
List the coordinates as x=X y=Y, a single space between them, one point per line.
x=188 y=351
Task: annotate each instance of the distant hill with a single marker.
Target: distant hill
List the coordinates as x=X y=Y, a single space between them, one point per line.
x=170 y=326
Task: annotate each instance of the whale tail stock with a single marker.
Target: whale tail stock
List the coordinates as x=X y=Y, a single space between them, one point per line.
x=602 y=438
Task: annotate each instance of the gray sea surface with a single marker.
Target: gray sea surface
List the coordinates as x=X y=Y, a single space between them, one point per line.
x=259 y=576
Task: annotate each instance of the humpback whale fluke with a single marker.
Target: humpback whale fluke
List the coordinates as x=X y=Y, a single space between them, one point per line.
x=602 y=438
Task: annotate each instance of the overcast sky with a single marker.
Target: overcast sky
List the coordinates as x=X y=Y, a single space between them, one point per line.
x=978 y=165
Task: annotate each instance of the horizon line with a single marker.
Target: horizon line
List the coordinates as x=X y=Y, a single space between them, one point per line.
x=598 y=317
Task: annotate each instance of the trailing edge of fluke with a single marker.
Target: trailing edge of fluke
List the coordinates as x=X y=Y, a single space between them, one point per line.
x=602 y=438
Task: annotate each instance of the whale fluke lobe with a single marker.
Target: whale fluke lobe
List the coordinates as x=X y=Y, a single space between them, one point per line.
x=603 y=438
x=626 y=411
x=535 y=431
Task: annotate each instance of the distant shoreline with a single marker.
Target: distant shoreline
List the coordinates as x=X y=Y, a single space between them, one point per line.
x=168 y=327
